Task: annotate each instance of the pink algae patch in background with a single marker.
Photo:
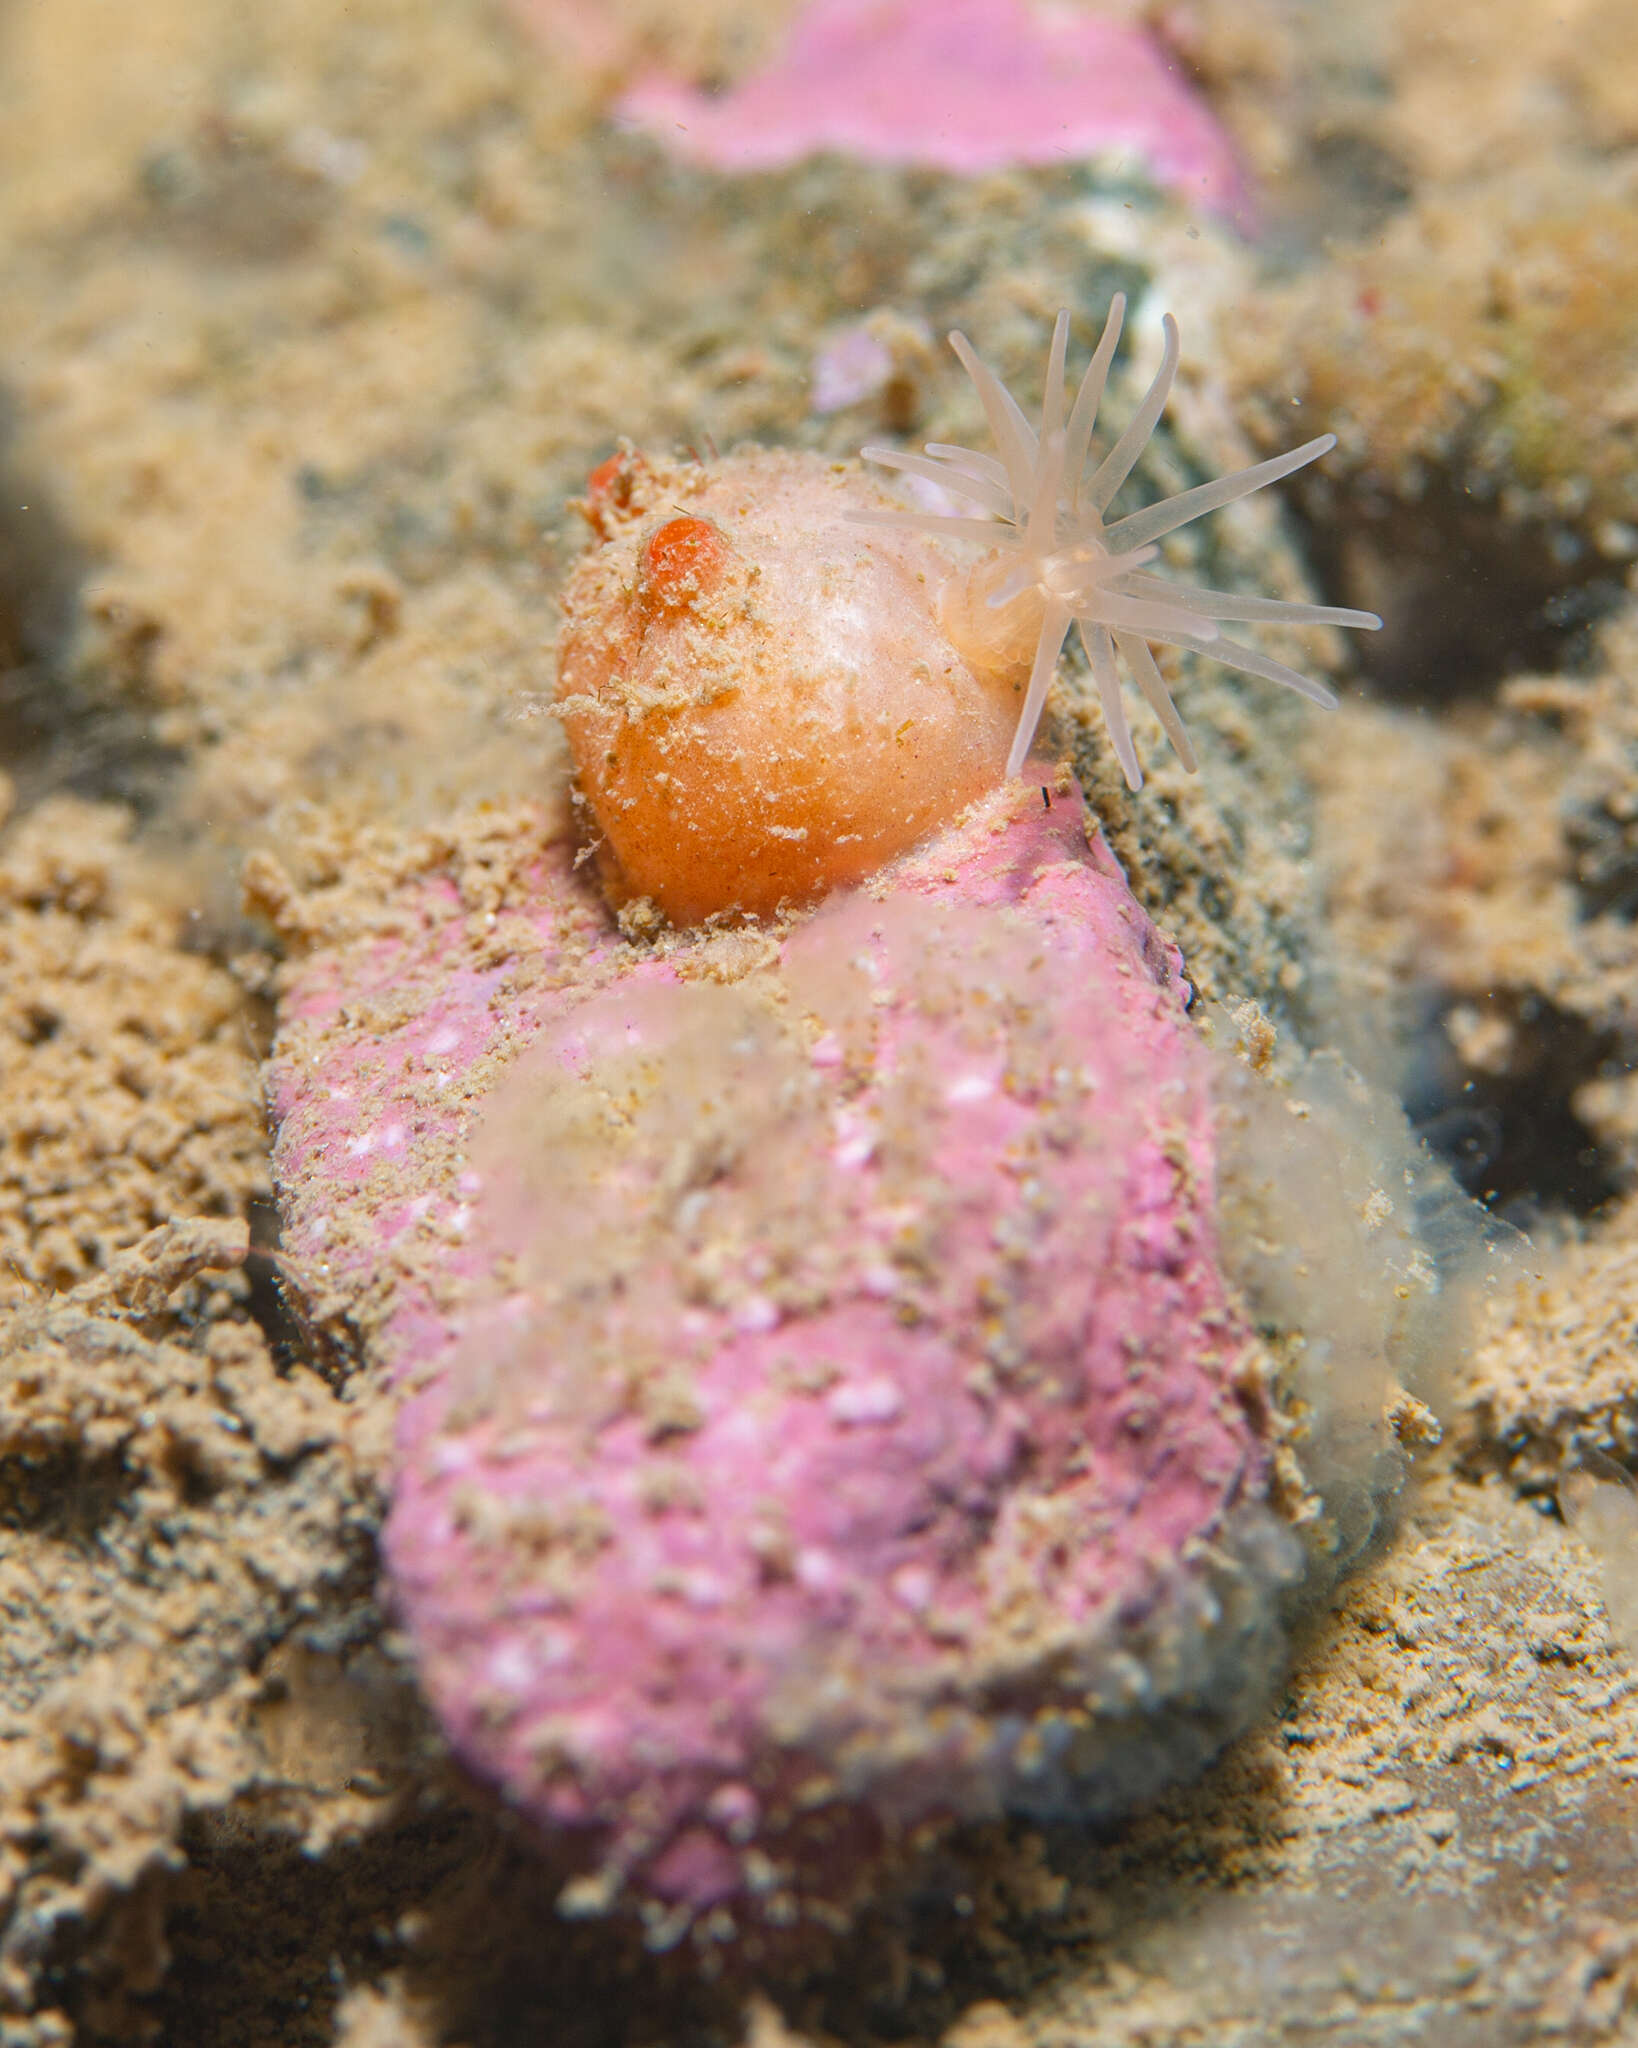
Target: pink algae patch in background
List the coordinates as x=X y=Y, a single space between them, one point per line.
x=957 y=85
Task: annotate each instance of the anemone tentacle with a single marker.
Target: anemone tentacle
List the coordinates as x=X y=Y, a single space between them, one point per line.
x=1035 y=501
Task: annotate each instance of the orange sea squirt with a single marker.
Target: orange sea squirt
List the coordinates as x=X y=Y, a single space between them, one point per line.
x=760 y=700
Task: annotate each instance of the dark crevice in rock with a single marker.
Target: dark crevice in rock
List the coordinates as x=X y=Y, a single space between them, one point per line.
x=1512 y=1138
x=1604 y=842
x=1467 y=596
x=57 y=732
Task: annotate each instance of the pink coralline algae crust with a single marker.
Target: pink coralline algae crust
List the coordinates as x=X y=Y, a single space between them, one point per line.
x=956 y=85
x=822 y=1415
x=383 y=1043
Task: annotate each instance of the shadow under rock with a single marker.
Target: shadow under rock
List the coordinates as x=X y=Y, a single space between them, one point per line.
x=458 y=1903
x=1513 y=1139
x=1468 y=597
x=58 y=730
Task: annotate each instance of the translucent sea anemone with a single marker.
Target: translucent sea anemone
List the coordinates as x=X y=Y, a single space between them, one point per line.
x=1054 y=562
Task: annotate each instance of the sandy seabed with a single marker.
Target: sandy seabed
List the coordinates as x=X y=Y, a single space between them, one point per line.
x=314 y=321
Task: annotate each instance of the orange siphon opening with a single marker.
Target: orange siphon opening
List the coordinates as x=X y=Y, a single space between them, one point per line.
x=681 y=561
x=610 y=489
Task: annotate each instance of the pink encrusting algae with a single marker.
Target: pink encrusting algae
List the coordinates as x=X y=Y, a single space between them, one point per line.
x=825 y=1420
x=958 y=85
